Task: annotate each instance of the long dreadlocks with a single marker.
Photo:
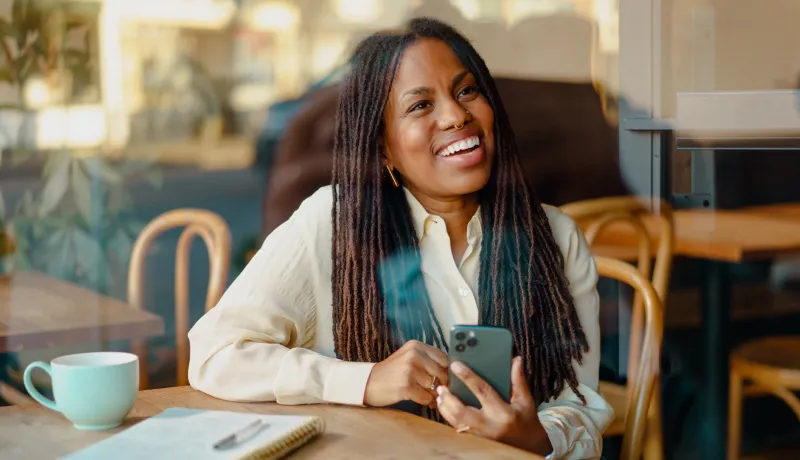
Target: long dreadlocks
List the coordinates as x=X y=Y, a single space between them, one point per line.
x=379 y=296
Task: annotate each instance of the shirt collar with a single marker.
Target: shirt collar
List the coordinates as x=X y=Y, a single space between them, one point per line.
x=420 y=218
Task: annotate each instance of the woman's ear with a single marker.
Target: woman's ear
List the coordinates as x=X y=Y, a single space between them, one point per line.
x=387 y=157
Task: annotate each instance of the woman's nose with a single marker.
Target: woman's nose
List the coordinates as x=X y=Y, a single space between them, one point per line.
x=453 y=115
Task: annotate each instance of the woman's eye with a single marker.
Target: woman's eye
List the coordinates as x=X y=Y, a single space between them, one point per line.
x=419 y=106
x=468 y=91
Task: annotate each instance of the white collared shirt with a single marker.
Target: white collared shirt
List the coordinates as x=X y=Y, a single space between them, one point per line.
x=270 y=338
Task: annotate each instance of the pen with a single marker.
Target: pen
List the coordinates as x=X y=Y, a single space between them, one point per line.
x=240 y=435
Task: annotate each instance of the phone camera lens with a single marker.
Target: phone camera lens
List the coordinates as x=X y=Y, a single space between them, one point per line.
x=460 y=347
x=472 y=342
x=460 y=336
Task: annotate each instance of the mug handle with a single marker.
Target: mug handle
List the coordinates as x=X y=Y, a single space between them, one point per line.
x=46 y=402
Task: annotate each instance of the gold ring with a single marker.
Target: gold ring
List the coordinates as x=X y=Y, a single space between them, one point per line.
x=462 y=429
x=434 y=382
x=458 y=126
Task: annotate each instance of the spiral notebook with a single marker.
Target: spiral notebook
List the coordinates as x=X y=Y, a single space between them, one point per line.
x=192 y=433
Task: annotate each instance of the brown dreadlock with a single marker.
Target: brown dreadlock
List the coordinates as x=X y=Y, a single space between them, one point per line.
x=379 y=296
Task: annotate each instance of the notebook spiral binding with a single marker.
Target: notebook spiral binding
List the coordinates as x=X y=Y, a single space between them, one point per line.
x=289 y=442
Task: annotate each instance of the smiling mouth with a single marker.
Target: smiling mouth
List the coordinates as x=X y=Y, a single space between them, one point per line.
x=460 y=147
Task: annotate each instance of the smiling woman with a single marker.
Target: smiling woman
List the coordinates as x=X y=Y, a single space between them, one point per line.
x=428 y=224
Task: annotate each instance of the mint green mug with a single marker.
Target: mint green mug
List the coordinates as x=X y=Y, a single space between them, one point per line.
x=95 y=391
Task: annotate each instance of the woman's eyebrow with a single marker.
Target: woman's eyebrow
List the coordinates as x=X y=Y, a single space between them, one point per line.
x=423 y=90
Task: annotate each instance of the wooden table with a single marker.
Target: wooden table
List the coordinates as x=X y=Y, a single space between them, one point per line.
x=719 y=239
x=38 y=312
x=35 y=432
x=726 y=236
x=783 y=210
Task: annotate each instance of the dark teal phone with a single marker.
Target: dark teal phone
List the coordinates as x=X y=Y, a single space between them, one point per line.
x=487 y=351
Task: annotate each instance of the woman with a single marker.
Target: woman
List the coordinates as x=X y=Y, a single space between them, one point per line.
x=428 y=224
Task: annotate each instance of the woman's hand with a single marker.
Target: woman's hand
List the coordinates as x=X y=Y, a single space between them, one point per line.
x=516 y=424
x=407 y=375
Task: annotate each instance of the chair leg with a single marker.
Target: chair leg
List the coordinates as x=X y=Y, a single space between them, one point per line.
x=735 y=415
x=13 y=396
x=653 y=438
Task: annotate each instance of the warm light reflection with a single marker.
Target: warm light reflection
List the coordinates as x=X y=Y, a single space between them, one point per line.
x=37 y=92
x=188 y=13
x=277 y=16
x=74 y=127
x=358 y=10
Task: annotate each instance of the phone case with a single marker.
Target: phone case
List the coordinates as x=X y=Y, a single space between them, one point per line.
x=487 y=351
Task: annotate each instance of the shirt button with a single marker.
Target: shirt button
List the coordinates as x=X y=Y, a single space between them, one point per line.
x=464 y=291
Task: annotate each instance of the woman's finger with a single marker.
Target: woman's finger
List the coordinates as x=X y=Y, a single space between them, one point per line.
x=423 y=379
x=437 y=355
x=486 y=395
x=520 y=392
x=430 y=369
x=422 y=396
x=457 y=413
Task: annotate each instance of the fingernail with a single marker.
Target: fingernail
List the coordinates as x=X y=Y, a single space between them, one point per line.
x=439 y=401
x=440 y=390
x=458 y=367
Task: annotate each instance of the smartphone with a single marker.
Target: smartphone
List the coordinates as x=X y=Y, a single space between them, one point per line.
x=487 y=351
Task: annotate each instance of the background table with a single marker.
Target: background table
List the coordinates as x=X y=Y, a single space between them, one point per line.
x=38 y=312
x=35 y=432
x=719 y=239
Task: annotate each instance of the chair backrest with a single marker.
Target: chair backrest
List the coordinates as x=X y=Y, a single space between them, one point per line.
x=216 y=235
x=641 y=389
x=597 y=215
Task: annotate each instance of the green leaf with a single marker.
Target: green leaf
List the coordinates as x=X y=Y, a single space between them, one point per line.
x=56 y=185
x=91 y=254
x=120 y=247
x=98 y=168
x=82 y=191
x=26 y=205
x=56 y=240
x=60 y=261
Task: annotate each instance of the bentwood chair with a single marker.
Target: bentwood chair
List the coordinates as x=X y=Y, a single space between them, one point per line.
x=216 y=235
x=642 y=387
x=650 y=230
x=766 y=366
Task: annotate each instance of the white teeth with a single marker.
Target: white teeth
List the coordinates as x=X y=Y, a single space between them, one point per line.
x=459 y=146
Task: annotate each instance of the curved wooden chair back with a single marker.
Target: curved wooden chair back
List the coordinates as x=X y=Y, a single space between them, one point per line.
x=216 y=235
x=600 y=214
x=642 y=388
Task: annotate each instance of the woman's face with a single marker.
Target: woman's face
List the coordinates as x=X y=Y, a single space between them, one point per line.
x=439 y=126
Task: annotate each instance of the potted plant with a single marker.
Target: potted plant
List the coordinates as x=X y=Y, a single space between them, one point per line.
x=8 y=248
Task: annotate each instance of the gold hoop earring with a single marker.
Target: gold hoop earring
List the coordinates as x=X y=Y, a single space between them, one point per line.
x=391 y=176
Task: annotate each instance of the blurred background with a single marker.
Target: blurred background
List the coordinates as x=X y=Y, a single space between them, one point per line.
x=113 y=112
